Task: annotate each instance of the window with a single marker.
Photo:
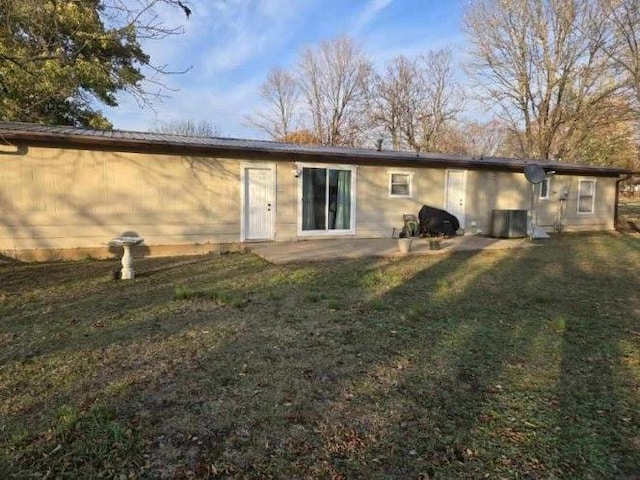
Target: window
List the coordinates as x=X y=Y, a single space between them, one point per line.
x=545 y=189
x=400 y=185
x=586 y=196
x=326 y=199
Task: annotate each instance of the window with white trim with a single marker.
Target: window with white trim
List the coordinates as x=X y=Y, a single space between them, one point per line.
x=545 y=189
x=586 y=196
x=400 y=185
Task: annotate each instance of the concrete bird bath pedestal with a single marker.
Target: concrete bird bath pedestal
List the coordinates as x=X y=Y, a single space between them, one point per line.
x=127 y=242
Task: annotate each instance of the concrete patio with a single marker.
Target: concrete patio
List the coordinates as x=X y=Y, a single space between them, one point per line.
x=332 y=249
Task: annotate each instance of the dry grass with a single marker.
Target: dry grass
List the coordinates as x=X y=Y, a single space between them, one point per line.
x=499 y=363
x=629 y=212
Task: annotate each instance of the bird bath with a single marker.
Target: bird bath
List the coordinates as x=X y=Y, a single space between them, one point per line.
x=127 y=242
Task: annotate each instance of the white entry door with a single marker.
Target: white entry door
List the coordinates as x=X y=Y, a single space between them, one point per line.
x=259 y=204
x=455 y=194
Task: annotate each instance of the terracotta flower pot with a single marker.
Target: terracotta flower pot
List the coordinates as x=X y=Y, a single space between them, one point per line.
x=434 y=244
x=404 y=245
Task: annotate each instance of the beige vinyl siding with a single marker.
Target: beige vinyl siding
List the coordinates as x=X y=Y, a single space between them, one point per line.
x=600 y=219
x=55 y=198
x=489 y=190
x=286 y=202
x=377 y=213
x=602 y=216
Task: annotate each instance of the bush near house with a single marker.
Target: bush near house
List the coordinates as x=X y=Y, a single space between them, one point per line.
x=497 y=364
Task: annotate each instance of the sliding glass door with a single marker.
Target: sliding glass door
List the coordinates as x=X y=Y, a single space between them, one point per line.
x=326 y=199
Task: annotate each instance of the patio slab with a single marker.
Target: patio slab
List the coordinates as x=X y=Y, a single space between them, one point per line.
x=332 y=249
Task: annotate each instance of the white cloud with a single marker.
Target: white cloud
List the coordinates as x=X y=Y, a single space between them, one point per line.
x=246 y=30
x=383 y=46
x=225 y=108
x=368 y=14
x=231 y=45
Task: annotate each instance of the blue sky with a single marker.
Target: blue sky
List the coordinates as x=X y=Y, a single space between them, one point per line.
x=229 y=46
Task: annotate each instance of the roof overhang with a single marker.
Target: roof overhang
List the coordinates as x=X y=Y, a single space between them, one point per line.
x=139 y=142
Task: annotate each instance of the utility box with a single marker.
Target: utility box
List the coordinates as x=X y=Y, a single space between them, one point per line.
x=509 y=223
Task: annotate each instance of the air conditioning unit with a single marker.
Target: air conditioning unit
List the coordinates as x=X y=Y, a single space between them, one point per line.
x=509 y=223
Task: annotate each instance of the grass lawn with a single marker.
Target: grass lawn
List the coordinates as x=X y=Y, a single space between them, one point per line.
x=629 y=212
x=496 y=364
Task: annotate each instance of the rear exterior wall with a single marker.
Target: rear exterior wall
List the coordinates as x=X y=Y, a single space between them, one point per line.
x=54 y=199
x=487 y=190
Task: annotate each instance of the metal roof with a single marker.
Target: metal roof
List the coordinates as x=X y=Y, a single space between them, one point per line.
x=90 y=139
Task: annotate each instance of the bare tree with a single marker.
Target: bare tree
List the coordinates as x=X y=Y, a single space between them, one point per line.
x=624 y=44
x=414 y=101
x=542 y=65
x=624 y=50
x=300 y=137
x=488 y=138
x=443 y=99
x=393 y=96
x=333 y=80
x=280 y=92
x=338 y=99
x=187 y=127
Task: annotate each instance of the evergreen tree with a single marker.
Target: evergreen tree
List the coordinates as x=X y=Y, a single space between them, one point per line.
x=61 y=59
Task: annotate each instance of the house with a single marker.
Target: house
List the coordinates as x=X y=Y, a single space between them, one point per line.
x=67 y=191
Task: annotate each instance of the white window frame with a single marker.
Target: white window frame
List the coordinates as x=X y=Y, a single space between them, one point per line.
x=593 y=196
x=547 y=180
x=310 y=233
x=409 y=175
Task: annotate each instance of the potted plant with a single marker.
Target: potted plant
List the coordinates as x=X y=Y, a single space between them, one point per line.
x=404 y=244
x=434 y=243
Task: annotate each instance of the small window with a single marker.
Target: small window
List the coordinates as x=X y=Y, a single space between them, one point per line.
x=400 y=185
x=586 y=196
x=545 y=188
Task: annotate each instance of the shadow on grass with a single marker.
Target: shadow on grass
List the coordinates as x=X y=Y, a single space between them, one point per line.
x=599 y=405
x=504 y=363
x=459 y=339
x=78 y=306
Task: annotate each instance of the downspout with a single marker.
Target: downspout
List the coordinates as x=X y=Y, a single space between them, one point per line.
x=615 y=205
